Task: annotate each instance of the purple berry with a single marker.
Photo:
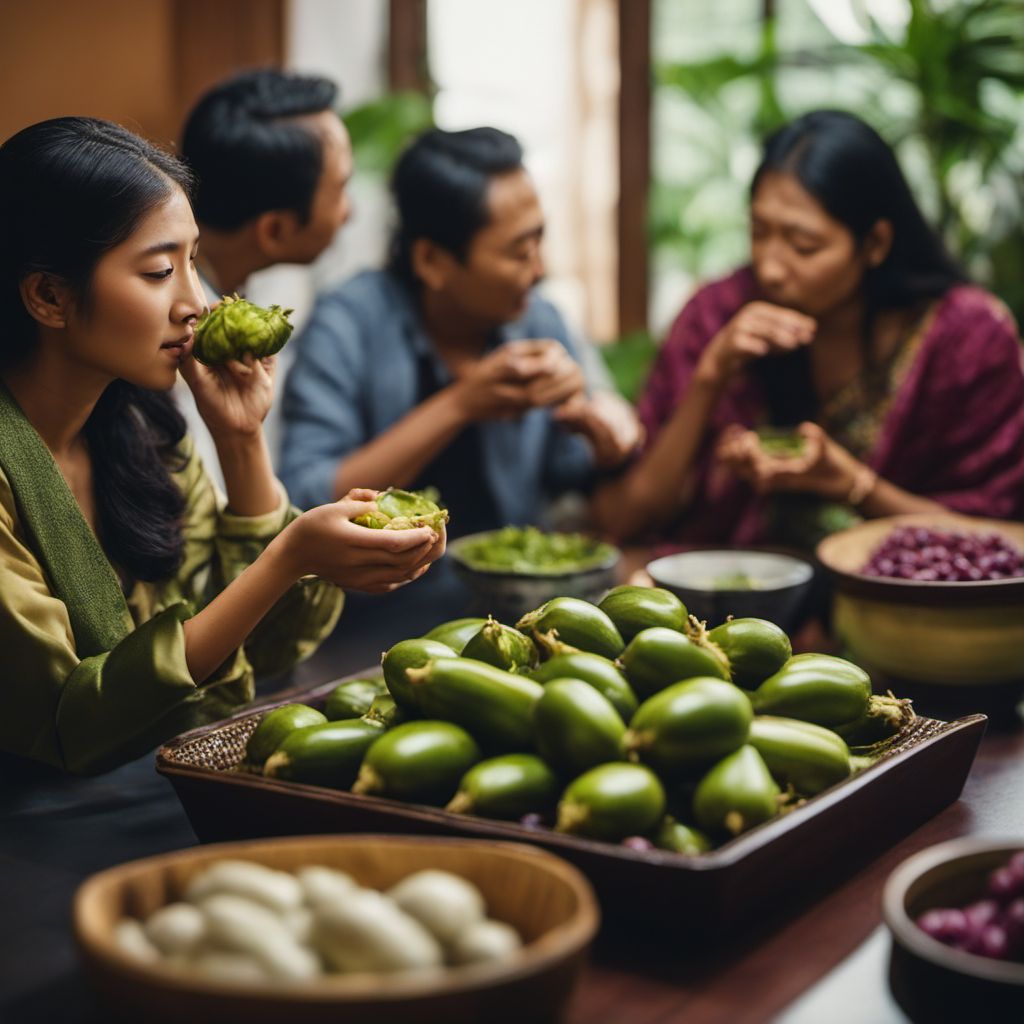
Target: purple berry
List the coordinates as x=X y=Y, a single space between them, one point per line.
x=945 y=924
x=982 y=913
x=1004 y=884
x=993 y=942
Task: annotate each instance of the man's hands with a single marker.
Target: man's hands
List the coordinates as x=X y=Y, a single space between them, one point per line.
x=517 y=377
x=325 y=542
x=540 y=373
x=607 y=421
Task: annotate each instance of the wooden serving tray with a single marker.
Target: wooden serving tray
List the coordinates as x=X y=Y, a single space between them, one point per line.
x=710 y=894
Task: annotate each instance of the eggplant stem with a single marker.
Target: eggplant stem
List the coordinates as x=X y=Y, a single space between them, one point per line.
x=571 y=816
x=461 y=803
x=734 y=822
x=368 y=782
x=697 y=633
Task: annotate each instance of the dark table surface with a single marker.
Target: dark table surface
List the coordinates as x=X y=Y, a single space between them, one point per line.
x=55 y=831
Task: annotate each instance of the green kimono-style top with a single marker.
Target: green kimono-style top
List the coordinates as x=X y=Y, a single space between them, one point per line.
x=96 y=676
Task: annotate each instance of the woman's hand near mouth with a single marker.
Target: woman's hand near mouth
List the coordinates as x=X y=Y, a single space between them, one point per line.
x=233 y=399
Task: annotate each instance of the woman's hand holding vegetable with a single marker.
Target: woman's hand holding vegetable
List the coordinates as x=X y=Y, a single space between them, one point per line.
x=758 y=329
x=234 y=398
x=325 y=542
x=823 y=467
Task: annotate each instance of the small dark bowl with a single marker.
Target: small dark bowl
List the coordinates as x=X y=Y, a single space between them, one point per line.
x=933 y=982
x=782 y=584
x=509 y=595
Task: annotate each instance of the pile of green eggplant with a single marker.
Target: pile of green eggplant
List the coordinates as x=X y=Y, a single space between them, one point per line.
x=626 y=721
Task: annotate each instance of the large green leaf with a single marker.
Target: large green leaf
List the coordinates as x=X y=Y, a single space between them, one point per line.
x=381 y=128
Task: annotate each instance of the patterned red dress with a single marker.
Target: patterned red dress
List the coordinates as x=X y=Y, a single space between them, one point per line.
x=947 y=421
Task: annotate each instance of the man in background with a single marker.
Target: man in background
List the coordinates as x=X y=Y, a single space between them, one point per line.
x=272 y=161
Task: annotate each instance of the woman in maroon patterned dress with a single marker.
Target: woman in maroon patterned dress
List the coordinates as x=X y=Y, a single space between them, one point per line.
x=853 y=327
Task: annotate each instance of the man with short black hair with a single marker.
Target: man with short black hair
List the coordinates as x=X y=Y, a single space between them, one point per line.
x=272 y=159
x=447 y=368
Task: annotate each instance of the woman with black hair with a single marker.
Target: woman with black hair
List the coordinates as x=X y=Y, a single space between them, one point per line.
x=854 y=328
x=133 y=602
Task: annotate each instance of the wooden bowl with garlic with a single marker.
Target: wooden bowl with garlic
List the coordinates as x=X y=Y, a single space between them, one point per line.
x=337 y=928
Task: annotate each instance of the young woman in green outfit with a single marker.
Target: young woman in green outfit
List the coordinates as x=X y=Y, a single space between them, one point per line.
x=134 y=600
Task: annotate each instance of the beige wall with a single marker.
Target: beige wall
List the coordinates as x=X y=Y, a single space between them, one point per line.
x=138 y=62
x=110 y=59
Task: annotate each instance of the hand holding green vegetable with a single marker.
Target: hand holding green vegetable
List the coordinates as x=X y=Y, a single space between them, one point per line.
x=325 y=541
x=233 y=399
x=822 y=466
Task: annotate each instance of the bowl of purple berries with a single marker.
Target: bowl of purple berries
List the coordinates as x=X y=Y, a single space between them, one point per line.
x=956 y=915
x=931 y=599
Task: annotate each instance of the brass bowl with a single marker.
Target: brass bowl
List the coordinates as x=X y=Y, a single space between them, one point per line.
x=930 y=980
x=943 y=634
x=549 y=903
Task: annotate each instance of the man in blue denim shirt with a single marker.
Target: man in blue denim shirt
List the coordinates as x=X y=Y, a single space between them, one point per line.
x=447 y=368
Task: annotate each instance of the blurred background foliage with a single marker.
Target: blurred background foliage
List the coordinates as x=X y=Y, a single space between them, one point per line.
x=381 y=128
x=941 y=80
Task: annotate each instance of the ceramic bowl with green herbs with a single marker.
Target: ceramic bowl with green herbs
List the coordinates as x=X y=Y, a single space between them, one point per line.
x=517 y=568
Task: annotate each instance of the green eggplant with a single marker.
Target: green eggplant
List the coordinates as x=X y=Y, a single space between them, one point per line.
x=576 y=728
x=689 y=725
x=598 y=672
x=407 y=654
x=886 y=716
x=736 y=794
x=756 y=649
x=816 y=688
x=676 y=837
x=506 y=787
x=503 y=647
x=634 y=609
x=658 y=657
x=576 y=622
x=352 y=699
x=493 y=705
x=456 y=633
x=807 y=757
x=328 y=754
x=418 y=761
x=384 y=711
x=274 y=727
x=612 y=801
